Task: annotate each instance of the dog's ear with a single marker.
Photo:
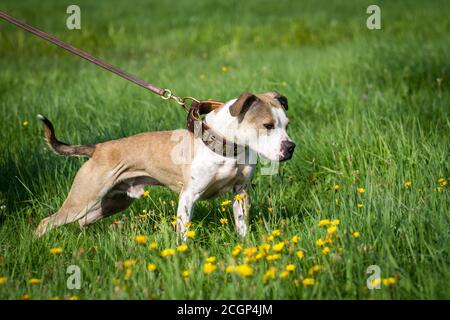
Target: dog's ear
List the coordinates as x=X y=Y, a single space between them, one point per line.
x=283 y=101
x=242 y=104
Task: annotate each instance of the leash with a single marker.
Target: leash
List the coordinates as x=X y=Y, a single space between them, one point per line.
x=165 y=94
x=213 y=140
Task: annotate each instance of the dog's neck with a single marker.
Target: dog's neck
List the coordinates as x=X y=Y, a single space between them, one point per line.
x=222 y=121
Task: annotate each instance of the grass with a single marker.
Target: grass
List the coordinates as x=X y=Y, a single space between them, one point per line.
x=367 y=108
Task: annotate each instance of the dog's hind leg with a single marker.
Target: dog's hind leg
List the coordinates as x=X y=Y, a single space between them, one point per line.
x=86 y=193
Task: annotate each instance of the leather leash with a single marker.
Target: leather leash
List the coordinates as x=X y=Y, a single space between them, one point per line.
x=210 y=138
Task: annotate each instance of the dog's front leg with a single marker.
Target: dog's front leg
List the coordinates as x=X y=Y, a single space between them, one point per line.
x=241 y=209
x=184 y=212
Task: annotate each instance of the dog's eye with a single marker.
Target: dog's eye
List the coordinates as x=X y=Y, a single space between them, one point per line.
x=269 y=126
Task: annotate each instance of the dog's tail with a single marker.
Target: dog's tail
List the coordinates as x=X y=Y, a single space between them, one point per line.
x=62 y=148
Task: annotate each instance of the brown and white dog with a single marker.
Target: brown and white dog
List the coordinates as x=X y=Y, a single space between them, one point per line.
x=118 y=170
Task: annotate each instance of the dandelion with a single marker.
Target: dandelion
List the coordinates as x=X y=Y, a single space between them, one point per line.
x=259 y=256
x=320 y=242
x=167 y=252
x=332 y=230
x=236 y=250
x=290 y=267
x=153 y=245
x=146 y=194
x=324 y=222
x=335 y=222
x=314 y=269
x=26 y=296
x=209 y=268
x=249 y=252
x=129 y=263
x=270 y=238
x=140 y=239
x=182 y=248
x=185 y=274
x=3 y=280
x=326 y=250
x=223 y=221
x=190 y=234
x=74 y=298
x=25 y=123
x=300 y=254
x=225 y=203
x=211 y=259
x=295 y=239
x=269 y=274
x=239 y=197
x=276 y=233
x=308 y=282
x=278 y=247
x=173 y=223
x=337 y=187
x=244 y=270
x=56 y=250
x=408 y=184
x=389 y=281
x=360 y=205
x=356 y=234
x=361 y=190
x=265 y=247
x=128 y=273
x=284 y=274
x=34 y=281
x=56 y=298
x=151 y=267
x=202 y=77
x=224 y=69
x=230 y=269
x=375 y=282
x=273 y=257
x=270 y=209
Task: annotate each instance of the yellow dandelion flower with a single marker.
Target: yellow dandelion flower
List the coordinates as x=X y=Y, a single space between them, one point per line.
x=249 y=252
x=202 y=77
x=314 y=269
x=129 y=263
x=224 y=69
x=185 y=274
x=74 y=298
x=236 y=250
x=284 y=274
x=226 y=203
x=336 y=201
x=26 y=296
x=300 y=254
x=239 y=197
x=290 y=267
x=335 y=222
x=56 y=298
x=270 y=209
x=320 y=242
x=223 y=221
x=153 y=245
x=337 y=187
x=361 y=190
x=278 y=247
x=356 y=234
x=128 y=273
x=209 y=268
x=295 y=239
x=190 y=234
x=273 y=257
x=244 y=270
x=332 y=230
x=259 y=256
x=3 y=280
x=408 y=184
x=182 y=248
x=389 y=281
x=188 y=224
x=269 y=238
x=140 y=239
x=265 y=247
x=146 y=193
x=375 y=282
x=326 y=250
x=56 y=250
x=173 y=223
x=360 y=205
x=324 y=222
x=269 y=274
x=308 y=282
x=34 y=281
x=276 y=233
x=440 y=180
x=25 y=123
x=211 y=259
x=167 y=252
x=151 y=267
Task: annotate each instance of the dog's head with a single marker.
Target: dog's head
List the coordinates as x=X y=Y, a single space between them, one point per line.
x=262 y=124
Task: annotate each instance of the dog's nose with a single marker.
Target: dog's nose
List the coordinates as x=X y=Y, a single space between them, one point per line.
x=287 y=150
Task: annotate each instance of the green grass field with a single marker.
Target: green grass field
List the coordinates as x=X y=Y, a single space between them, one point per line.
x=368 y=109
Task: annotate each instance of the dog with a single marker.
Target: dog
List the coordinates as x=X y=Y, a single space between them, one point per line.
x=118 y=170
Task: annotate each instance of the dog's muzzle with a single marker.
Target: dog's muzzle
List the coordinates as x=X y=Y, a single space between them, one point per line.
x=287 y=150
